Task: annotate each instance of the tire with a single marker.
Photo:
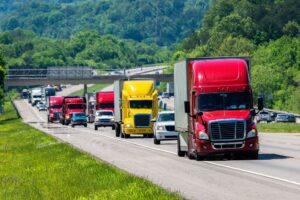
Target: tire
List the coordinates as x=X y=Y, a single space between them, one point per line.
x=117 y=130
x=190 y=155
x=253 y=155
x=199 y=157
x=179 y=152
x=156 y=141
x=73 y=125
x=96 y=128
x=113 y=128
x=85 y=125
x=150 y=136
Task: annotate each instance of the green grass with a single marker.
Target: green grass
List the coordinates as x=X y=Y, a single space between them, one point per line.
x=279 y=127
x=94 y=88
x=34 y=165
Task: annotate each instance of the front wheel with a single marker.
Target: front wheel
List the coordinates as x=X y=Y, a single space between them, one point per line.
x=117 y=130
x=253 y=156
x=96 y=128
x=156 y=141
x=85 y=125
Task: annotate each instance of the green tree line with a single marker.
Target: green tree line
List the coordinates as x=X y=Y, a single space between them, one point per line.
x=2 y=75
x=24 y=49
x=156 y=21
x=268 y=31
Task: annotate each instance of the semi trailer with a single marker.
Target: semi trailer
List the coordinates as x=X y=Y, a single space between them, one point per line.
x=214 y=107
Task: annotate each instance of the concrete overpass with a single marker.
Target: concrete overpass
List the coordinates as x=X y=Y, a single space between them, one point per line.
x=74 y=76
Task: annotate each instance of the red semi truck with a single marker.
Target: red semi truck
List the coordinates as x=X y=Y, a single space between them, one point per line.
x=105 y=101
x=72 y=105
x=214 y=108
x=54 y=108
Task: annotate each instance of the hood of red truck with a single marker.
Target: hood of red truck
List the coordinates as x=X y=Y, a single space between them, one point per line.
x=52 y=110
x=226 y=114
x=74 y=111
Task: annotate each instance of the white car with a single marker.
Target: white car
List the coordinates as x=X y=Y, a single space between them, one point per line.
x=104 y=118
x=164 y=127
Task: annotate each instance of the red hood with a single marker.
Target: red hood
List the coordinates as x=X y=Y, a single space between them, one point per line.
x=226 y=114
x=74 y=111
x=53 y=110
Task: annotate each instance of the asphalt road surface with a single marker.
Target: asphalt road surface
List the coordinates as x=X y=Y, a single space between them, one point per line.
x=276 y=175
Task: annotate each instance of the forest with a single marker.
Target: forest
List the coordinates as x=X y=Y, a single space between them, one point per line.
x=106 y=34
x=160 y=22
x=267 y=32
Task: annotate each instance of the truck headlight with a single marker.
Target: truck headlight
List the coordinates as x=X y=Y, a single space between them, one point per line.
x=112 y=120
x=203 y=136
x=160 y=128
x=128 y=126
x=68 y=117
x=252 y=133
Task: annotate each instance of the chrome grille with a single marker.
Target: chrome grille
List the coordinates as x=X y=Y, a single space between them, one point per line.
x=104 y=120
x=142 y=120
x=227 y=130
x=170 y=128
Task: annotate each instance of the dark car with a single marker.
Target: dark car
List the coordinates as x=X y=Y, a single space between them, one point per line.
x=78 y=119
x=264 y=116
x=285 y=118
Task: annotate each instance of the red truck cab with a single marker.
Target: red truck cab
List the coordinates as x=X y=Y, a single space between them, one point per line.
x=72 y=105
x=54 y=108
x=214 y=107
x=105 y=101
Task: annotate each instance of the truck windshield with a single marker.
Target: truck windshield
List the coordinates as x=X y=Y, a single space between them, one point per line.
x=105 y=105
x=37 y=96
x=79 y=114
x=56 y=106
x=75 y=106
x=223 y=101
x=141 y=104
x=166 y=117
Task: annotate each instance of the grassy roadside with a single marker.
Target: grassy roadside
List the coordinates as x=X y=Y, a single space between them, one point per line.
x=94 y=88
x=278 y=127
x=34 y=165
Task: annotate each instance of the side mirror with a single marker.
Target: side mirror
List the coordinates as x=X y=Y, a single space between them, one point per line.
x=153 y=120
x=260 y=103
x=187 y=107
x=200 y=113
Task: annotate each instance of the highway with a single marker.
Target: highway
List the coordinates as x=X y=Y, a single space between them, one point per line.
x=276 y=175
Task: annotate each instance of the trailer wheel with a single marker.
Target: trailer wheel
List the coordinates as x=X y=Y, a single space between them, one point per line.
x=179 y=152
x=85 y=125
x=96 y=128
x=72 y=125
x=113 y=127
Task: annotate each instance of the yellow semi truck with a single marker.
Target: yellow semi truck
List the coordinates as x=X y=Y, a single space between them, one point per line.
x=136 y=104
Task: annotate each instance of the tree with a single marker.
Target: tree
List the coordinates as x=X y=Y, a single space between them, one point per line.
x=2 y=76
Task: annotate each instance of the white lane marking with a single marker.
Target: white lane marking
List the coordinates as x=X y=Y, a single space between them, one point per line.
x=254 y=173
x=208 y=162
